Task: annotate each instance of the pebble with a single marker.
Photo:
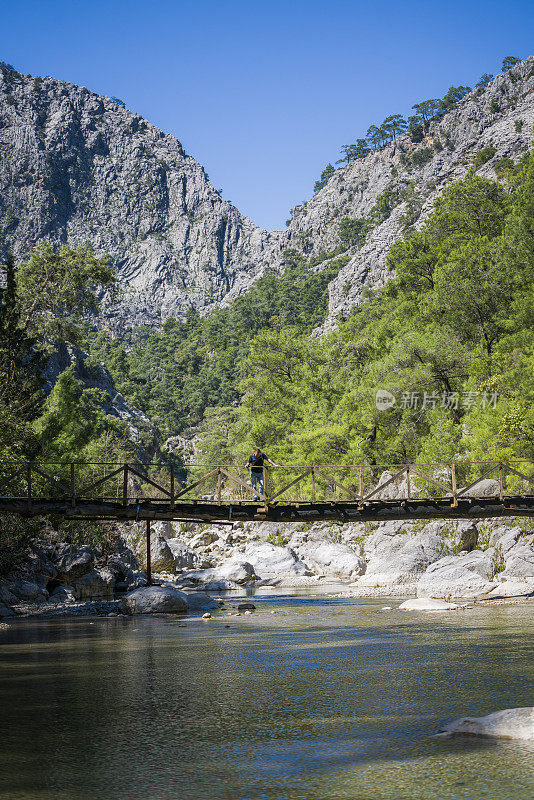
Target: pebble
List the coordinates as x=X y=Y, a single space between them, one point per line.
x=248 y=612
x=207 y=615
x=386 y=608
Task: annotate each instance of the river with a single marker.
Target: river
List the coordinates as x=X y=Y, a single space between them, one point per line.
x=328 y=699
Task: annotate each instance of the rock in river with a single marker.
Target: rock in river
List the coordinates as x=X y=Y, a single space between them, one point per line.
x=155 y=600
x=511 y=723
x=427 y=604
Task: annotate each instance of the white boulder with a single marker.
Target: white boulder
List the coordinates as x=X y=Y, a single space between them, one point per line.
x=185 y=557
x=399 y=558
x=331 y=558
x=271 y=561
x=458 y=576
x=511 y=723
x=488 y=487
x=427 y=604
x=513 y=588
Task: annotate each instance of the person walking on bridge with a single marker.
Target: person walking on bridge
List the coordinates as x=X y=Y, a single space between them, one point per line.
x=256 y=463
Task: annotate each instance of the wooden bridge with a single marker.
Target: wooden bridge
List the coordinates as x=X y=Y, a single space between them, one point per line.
x=312 y=493
x=223 y=493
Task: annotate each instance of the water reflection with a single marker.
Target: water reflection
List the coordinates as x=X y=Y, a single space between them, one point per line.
x=330 y=701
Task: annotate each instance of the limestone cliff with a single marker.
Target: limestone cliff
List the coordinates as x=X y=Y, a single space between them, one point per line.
x=76 y=167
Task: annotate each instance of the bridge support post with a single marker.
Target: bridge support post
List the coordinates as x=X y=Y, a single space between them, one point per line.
x=148 y=555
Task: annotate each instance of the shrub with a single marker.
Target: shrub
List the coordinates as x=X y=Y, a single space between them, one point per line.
x=519 y=125
x=494 y=107
x=484 y=155
x=422 y=157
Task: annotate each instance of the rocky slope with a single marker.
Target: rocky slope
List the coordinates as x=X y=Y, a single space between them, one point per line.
x=500 y=116
x=78 y=167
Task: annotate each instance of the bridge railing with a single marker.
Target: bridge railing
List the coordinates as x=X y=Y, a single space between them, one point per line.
x=229 y=483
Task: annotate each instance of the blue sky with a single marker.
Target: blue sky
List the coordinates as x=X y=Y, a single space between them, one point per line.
x=263 y=94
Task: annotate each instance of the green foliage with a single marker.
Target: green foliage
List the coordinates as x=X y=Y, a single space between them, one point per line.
x=483 y=156
x=456 y=319
x=502 y=166
x=509 y=62
x=176 y=374
x=416 y=129
x=427 y=109
x=327 y=173
x=484 y=80
x=56 y=287
x=353 y=231
x=422 y=157
x=351 y=152
x=454 y=95
x=9 y=73
x=16 y=534
x=494 y=106
x=20 y=382
x=518 y=124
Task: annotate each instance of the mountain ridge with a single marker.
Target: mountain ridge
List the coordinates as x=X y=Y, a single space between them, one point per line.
x=79 y=167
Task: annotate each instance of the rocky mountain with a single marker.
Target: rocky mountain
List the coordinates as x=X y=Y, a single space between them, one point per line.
x=498 y=119
x=78 y=167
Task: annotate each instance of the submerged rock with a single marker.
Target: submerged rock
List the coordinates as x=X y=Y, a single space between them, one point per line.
x=155 y=600
x=427 y=604
x=246 y=607
x=511 y=723
x=199 y=601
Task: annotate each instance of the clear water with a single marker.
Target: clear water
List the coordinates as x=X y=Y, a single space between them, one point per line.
x=329 y=700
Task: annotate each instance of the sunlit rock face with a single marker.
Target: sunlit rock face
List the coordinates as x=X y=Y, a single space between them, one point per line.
x=76 y=167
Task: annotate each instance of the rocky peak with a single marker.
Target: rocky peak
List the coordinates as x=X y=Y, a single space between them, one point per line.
x=76 y=167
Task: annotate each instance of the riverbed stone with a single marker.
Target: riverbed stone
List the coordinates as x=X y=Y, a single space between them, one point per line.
x=510 y=723
x=331 y=558
x=457 y=576
x=162 y=558
x=519 y=562
x=155 y=600
x=185 y=556
x=63 y=594
x=467 y=536
x=74 y=562
x=26 y=590
x=427 y=604
x=513 y=587
x=96 y=584
x=199 y=601
x=399 y=558
x=6 y=611
x=6 y=595
x=246 y=607
x=272 y=561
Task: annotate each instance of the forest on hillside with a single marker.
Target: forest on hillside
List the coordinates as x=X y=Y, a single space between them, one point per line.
x=449 y=338
x=447 y=344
